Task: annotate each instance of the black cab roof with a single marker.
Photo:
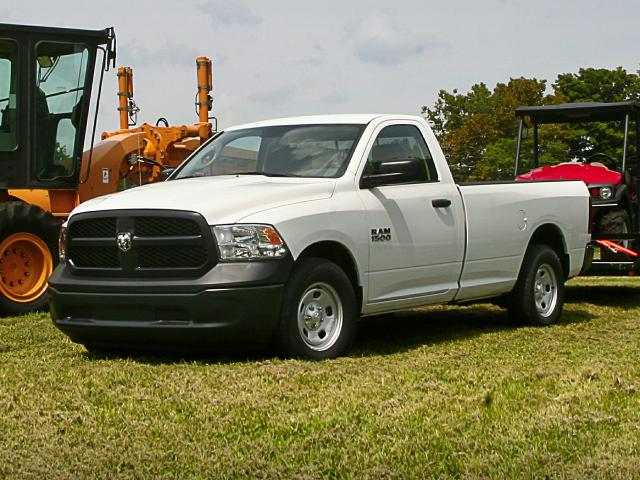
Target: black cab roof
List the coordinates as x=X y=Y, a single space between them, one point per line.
x=101 y=36
x=580 y=112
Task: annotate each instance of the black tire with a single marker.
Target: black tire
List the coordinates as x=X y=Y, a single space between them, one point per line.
x=321 y=327
x=18 y=217
x=538 y=296
x=614 y=221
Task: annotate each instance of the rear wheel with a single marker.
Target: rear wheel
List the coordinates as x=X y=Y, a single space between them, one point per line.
x=28 y=254
x=319 y=311
x=538 y=296
x=614 y=221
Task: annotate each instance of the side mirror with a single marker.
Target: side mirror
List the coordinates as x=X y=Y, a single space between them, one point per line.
x=392 y=172
x=166 y=173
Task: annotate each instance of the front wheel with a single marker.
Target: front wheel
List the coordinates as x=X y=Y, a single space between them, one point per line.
x=538 y=296
x=319 y=311
x=28 y=254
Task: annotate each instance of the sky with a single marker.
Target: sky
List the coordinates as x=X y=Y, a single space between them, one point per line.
x=285 y=57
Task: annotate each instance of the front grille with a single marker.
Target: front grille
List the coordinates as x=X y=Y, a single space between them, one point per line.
x=93 y=228
x=95 y=257
x=165 y=227
x=162 y=242
x=176 y=257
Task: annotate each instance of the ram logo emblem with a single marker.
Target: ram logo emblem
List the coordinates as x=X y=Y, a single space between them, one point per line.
x=124 y=240
x=380 y=234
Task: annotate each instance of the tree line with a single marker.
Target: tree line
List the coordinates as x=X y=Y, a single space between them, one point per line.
x=478 y=129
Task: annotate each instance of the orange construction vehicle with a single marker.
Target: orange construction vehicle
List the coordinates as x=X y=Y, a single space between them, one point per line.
x=46 y=80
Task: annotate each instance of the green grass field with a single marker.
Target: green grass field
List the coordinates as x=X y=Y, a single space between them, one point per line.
x=436 y=392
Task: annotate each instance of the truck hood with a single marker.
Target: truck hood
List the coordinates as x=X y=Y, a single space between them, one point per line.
x=588 y=173
x=221 y=199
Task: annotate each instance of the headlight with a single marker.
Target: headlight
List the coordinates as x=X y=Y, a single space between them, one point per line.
x=606 y=193
x=248 y=242
x=62 y=243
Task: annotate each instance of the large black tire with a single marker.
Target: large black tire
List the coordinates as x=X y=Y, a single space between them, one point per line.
x=319 y=317
x=538 y=296
x=614 y=221
x=32 y=255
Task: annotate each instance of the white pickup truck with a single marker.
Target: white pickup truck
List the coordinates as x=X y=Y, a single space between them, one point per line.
x=288 y=231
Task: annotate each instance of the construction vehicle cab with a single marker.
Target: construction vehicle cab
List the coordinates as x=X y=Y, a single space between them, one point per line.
x=46 y=78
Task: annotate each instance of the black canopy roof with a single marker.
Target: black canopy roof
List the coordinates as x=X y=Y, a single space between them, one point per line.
x=580 y=112
x=98 y=36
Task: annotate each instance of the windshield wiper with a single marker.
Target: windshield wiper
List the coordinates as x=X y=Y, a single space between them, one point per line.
x=187 y=176
x=266 y=174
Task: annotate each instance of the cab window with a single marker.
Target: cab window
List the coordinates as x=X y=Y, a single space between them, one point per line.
x=61 y=69
x=8 y=100
x=401 y=142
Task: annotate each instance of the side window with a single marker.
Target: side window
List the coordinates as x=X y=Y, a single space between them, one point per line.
x=61 y=69
x=401 y=142
x=8 y=82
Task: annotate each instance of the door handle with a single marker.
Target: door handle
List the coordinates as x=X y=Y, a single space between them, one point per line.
x=440 y=202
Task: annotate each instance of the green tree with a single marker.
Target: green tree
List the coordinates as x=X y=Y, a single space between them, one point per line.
x=478 y=129
x=467 y=124
x=597 y=85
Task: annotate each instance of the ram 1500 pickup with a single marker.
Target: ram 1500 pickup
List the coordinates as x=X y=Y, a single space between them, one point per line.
x=288 y=231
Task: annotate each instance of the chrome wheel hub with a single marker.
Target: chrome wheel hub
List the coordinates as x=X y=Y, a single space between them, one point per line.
x=320 y=316
x=545 y=290
x=314 y=315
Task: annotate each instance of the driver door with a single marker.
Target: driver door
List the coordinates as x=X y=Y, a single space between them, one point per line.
x=415 y=247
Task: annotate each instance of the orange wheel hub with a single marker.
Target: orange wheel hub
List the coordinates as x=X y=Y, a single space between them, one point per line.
x=25 y=267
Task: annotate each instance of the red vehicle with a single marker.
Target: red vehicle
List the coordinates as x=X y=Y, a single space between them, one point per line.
x=613 y=180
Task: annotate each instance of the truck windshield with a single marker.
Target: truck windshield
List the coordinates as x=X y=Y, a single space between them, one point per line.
x=321 y=151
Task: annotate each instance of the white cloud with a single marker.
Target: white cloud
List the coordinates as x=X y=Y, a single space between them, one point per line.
x=227 y=12
x=380 y=39
x=335 y=97
x=274 y=96
x=176 y=54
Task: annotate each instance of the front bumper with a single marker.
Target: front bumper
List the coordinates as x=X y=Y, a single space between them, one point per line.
x=230 y=304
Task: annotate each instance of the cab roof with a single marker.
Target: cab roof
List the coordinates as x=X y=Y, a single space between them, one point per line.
x=99 y=36
x=580 y=112
x=340 y=118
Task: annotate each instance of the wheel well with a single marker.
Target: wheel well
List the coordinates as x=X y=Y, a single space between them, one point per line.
x=550 y=235
x=341 y=256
